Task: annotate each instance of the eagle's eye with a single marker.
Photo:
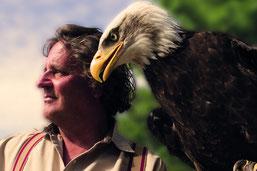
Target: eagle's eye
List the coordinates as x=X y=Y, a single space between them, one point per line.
x=114 y=37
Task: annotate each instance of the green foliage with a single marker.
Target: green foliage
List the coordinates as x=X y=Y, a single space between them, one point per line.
x=236 y=17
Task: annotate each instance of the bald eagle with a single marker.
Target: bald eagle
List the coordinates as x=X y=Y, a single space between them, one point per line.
x=205 y=83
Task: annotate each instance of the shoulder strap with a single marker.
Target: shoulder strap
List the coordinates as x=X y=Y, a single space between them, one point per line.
x=138 y=159
x=25 y=150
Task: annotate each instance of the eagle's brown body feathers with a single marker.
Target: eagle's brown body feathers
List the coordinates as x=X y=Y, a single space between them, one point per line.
x=208 y=88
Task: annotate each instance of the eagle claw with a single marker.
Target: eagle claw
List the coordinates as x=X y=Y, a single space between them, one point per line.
x=245 y=165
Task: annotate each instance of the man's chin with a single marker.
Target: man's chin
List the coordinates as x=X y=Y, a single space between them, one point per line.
x=50 y=114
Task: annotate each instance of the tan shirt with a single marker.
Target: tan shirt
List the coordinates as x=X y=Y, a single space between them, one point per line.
x=111 y=153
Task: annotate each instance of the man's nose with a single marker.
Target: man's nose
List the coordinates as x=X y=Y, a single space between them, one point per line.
x=44 y=81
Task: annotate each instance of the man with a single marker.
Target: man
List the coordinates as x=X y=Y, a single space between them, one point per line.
x=82 y=133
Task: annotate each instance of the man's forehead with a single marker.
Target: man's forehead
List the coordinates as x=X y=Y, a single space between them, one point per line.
x=58 y=55
x=58 y=48
x=59 y=58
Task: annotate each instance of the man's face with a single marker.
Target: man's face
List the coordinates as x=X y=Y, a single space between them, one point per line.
x=66 y=92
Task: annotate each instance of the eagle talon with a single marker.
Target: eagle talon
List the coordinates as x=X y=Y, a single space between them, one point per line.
x=245 y=165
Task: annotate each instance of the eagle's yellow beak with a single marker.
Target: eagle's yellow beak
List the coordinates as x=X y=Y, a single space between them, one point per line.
x=104 y=63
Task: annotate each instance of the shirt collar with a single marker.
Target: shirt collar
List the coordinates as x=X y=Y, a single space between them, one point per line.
x=114 y=136
x=120 y=141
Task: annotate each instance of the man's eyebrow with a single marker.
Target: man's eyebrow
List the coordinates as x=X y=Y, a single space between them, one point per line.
x=58 y=67
x=54 y=67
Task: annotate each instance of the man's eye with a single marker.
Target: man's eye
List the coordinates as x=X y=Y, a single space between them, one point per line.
x=59 y=73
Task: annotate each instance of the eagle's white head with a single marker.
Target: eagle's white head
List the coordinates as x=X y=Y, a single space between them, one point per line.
x=140 y=32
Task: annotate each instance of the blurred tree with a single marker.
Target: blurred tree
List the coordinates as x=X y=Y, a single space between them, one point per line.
x=235 y=17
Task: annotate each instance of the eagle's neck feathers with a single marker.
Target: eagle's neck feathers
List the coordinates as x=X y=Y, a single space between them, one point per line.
x=153 y=33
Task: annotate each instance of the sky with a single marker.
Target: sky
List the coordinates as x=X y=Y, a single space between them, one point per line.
x=25 y=26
